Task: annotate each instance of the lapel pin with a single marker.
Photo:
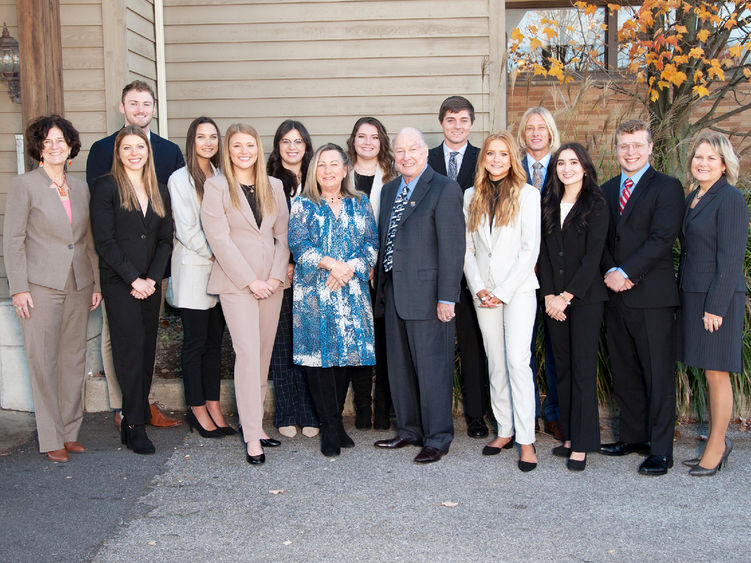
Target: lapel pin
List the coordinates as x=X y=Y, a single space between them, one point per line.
x=412 y=203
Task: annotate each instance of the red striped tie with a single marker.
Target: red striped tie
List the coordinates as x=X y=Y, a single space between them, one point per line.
x=625 y=194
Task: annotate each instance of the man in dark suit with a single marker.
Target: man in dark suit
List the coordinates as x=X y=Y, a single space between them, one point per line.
x=538 y=138
x=456 y=158
x=646 y=211
x=137 y=106
x=419 y=270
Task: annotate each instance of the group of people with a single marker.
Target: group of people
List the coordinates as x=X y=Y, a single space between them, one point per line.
x=331 y=265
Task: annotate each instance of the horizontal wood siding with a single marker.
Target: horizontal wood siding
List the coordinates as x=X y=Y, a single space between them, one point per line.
x=325 y=63
x=139 y=22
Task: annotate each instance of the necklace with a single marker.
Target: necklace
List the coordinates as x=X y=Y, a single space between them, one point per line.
x=61 y=187
x=700 y=195
x=332 y=199
x=362 y=171
x=251 y=188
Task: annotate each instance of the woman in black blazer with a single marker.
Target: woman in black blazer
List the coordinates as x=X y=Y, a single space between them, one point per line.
x=132 y=226
x=713 y=286
x=574 y=229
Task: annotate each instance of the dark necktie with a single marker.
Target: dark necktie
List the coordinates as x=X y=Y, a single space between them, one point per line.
x=453 y=168
x=537 y=175
x=625 y=194
x=400 y=203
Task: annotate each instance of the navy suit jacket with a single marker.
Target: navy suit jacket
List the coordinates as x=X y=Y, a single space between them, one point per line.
x=466 y=176
x=429 y=247
x=167 y=158
x=529 y=176
x=640 y=240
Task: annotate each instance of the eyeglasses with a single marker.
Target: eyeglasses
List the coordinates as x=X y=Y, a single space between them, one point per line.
x=289 y=142
x=635 y=147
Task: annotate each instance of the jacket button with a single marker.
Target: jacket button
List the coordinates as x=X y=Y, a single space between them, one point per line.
x=143 y=237
x=560 y=272
x=70 y=247
x=560 y=253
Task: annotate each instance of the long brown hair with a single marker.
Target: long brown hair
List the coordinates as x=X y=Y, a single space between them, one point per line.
x=507 y=194
x=128 y=197
x=385 y=154
x=266 y=202
x=194 y=169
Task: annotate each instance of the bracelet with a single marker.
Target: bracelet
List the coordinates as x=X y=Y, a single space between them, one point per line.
x=566 y=301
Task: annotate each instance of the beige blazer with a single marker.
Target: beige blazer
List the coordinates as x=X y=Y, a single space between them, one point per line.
x=191 y=254
x=244 y=252
x=40 y=245
x=503 y=261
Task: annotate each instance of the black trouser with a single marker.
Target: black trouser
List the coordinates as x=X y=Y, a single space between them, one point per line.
x=328 y=387
x=202 y=353
x=472 y=351
x=133 y=326
x=382 y=393
x=575 y=342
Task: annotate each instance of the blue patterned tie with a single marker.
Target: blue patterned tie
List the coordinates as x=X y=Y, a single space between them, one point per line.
x=400 y=203
x=453 y=168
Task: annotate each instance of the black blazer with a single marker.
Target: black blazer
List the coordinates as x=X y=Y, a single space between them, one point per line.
x=167 y=158
x=130 y=245
x=570 y=258
x=640 y=241
x=713 y=243
x=466 y=176
x=429 y=246
x=529 y=176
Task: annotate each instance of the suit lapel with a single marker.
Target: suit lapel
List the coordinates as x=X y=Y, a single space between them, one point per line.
x=469 y=160
x=703 y=203
x=421 y=189
x=638 y=193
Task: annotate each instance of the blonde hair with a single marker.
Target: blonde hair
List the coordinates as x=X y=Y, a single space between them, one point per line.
x=264 y=196
x=508 y=192
x=128 y=197
x=722 y=146
x=547 y=117
x=312 y=190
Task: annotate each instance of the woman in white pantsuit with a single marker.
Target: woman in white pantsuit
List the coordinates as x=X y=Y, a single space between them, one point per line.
x=502 y=214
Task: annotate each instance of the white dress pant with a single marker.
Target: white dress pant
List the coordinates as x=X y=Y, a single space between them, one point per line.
x=506 y=333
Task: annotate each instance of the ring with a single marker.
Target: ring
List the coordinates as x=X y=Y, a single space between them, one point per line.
x=19 y=308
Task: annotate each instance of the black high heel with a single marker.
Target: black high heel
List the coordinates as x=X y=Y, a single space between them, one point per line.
x=493 y=450
x=577 y=464
x=270 y=443
x=259 y=459
x=527 y=466
x=699 y=471
x=226 y=430
x=193 y=423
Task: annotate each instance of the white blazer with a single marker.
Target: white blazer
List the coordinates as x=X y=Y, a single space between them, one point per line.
x=375 y=192
x=503 y=262
x=191 y=256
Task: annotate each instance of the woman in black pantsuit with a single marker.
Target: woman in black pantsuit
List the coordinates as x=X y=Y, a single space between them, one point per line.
x=574 y=229
x=132 y=226
x=712 y=284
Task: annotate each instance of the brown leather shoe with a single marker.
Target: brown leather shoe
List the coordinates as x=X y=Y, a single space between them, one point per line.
x=59 y=456
x=74 y=447
x=553 y=428
x=158 y=418
x=118 y=419
x=429 y=455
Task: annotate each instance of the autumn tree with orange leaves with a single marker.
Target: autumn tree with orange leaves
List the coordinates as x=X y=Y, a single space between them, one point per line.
x=685 y=62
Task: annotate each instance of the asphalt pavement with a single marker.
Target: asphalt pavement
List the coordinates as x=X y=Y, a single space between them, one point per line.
x=197 y=499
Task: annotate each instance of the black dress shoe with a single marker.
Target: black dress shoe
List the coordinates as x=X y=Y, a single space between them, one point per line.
x=625 y=448
x=255 y=459
x=656 y=465
x=393 y=443
x=270 y=442
x=576 y=464
x=476 y=428
x=494 y=450
x=429 y=454
x=561 y=451
x=527 y=466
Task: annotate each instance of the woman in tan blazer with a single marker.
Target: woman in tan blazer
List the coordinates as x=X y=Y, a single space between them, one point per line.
x=54 y=280
x=245 y=217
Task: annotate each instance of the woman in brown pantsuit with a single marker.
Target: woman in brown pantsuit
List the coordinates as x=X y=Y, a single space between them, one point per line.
x=54 y=280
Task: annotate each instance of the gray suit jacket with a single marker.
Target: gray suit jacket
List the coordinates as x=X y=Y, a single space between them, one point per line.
x=428 y=246
x=40 y=245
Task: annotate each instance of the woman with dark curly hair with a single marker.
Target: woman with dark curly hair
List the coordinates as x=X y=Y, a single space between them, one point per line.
x=53 y=276
x=574 y=229
x=293 y=406
x=369 y=151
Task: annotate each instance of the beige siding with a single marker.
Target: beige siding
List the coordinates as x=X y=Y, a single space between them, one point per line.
x=324 y=62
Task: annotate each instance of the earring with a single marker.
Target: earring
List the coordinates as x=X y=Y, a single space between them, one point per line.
x=70 y=161
x=41 y=163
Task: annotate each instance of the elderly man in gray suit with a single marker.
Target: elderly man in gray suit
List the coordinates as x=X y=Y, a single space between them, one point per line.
x=419 y=270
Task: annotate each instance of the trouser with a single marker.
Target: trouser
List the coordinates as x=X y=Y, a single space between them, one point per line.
x=201 y=354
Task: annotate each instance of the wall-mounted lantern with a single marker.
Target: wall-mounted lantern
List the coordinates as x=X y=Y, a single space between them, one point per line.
x=10 y=64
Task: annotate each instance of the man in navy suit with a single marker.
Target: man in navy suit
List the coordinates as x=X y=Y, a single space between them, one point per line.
x=137 y=106
x=538 y=138
x=456 y=158
x=420 y=264
x=646 y=212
